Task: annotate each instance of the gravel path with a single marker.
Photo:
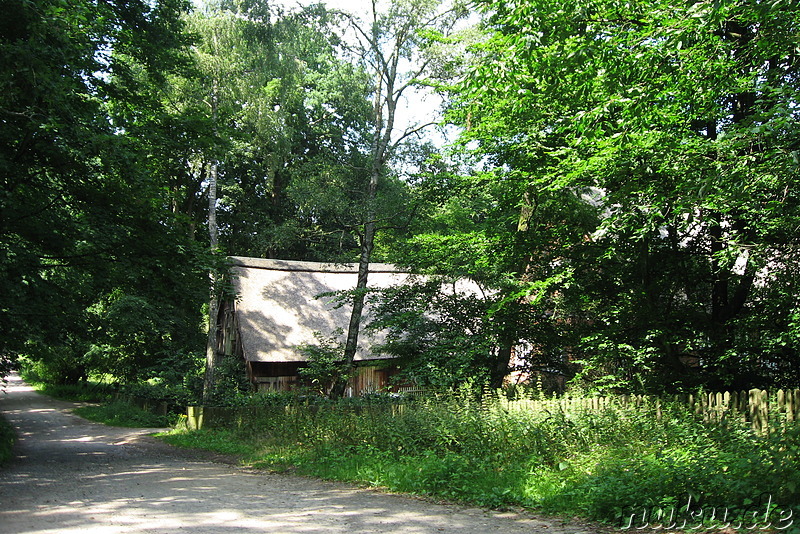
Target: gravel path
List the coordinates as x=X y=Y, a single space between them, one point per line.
x=73 y=476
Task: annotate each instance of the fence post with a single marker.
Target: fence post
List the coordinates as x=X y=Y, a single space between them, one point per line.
x=194 y=417
x=792 y=404
x=725 y=405
x=759 y=411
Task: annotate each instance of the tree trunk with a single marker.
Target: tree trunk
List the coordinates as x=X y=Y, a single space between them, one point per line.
x=382 y=125
x=508 y=335
x=212 y=355
x=390 y=85
x=354 y=327
x=367 y=240
x=500 y=370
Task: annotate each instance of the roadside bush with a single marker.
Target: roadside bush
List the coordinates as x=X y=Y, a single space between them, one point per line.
x=177 y=395
x=116 y=407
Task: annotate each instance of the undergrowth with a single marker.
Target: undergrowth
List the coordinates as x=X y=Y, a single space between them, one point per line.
x=604 y=465
x=220 y=441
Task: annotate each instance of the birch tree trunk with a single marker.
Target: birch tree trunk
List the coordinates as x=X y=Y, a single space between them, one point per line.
x=212 y=355
x=379 y=148
x=386 y=45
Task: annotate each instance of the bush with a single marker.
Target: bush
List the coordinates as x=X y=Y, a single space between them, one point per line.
x=177 y=395
x=114 y=410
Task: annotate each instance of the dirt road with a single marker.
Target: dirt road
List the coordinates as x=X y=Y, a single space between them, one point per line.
x=74 y=476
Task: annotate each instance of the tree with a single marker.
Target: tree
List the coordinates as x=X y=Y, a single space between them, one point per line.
x=469 y=226
x=82 y=215
x=287 y=107
x=678 y=128
x=385 y=44
x=277 y=105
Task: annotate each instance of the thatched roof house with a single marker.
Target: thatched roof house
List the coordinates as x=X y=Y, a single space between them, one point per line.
x=278 y=308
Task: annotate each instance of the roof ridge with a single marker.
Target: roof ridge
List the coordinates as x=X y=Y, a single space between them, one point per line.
x=310 y=266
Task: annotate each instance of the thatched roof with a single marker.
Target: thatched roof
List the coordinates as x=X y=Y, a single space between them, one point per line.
x=277 y=309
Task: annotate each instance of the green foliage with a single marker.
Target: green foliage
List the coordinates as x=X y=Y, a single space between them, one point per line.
x=653 y=147
x=6 y=366
x=140 y=337
x=285 y=126
x=176 y=394
x=681 y=459
x=116 y=405
x=233 y=377
x=57 y=365
x=625 y=194
x=113 y=409
x=221 y=441
x=440 y=333
x=7 y=439
x=93 y=259
x=325 y=362
x=509 y=241
x=104 y=389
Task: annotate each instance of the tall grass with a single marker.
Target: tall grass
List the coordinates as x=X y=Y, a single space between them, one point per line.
x=598 y=464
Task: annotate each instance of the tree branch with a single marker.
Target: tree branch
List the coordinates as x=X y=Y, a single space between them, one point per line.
x=411 y=131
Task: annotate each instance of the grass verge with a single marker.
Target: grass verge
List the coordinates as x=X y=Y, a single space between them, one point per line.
x=92 y=391
x=611 y=466
x=220 y=441
x=110 y=411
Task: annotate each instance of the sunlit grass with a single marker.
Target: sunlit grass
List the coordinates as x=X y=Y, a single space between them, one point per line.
x=592 y=464
x=219 y=441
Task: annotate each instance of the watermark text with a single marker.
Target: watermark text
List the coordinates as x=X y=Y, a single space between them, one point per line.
x=761 y=514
